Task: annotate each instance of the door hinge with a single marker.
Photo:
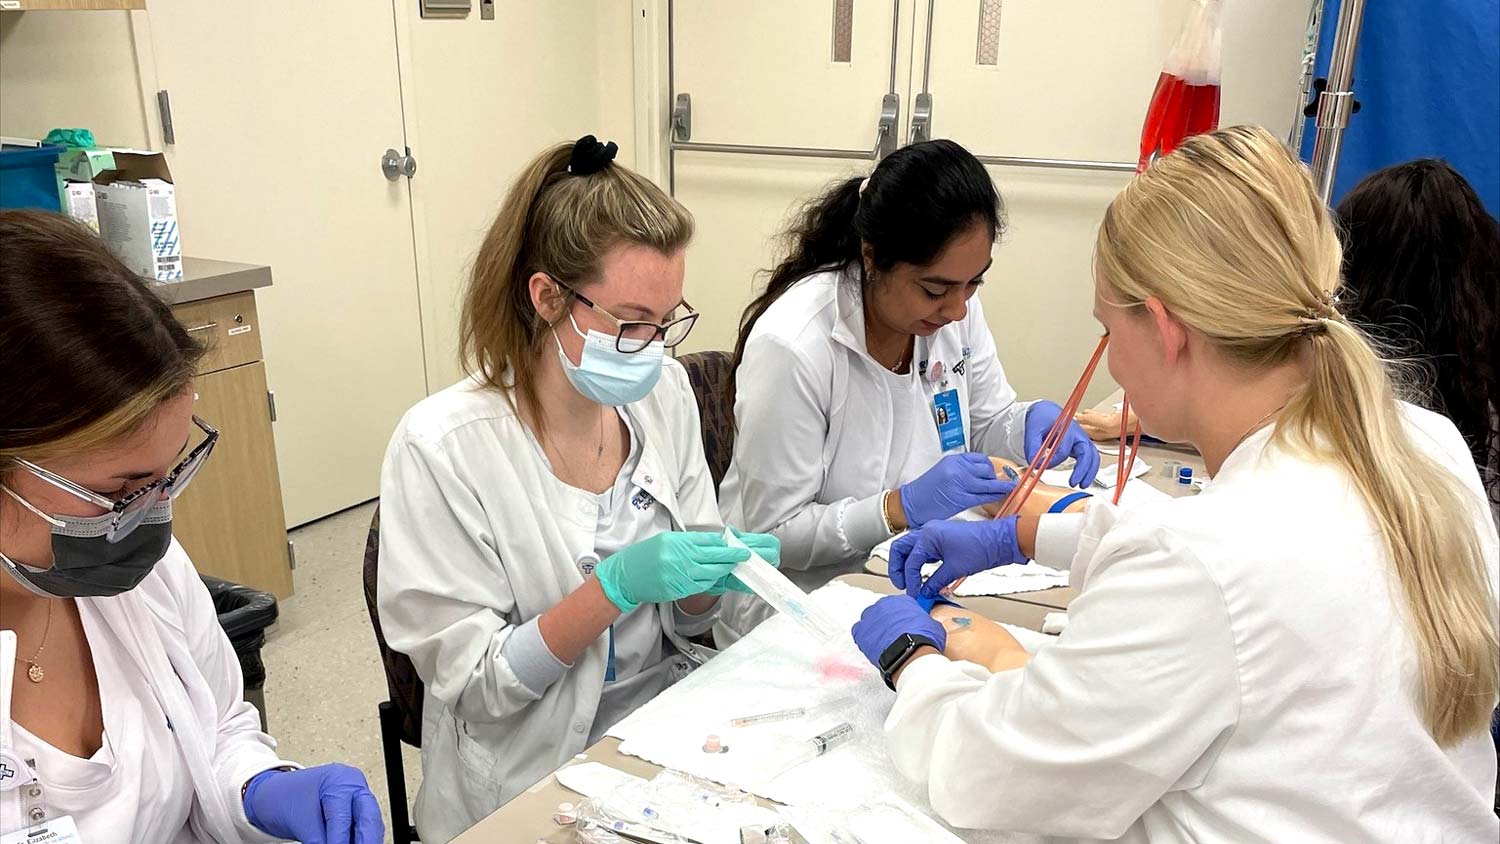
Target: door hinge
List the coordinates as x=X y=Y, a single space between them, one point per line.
x=271 y=402
x=291 y=555
x=164 y=105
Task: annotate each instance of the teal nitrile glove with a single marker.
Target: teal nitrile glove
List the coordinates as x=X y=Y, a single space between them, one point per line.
x=669 y=566
x=766 y=546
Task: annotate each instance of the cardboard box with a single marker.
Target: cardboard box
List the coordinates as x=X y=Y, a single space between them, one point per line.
x=137 y=206
x=81 y=165
x=79 y=202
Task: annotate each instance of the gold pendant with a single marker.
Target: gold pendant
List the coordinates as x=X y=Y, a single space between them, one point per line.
x=35 y=673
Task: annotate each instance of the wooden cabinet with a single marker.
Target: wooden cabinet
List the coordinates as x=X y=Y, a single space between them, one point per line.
x=230 y=519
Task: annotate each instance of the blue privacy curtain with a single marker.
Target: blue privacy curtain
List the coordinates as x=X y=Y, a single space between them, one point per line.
x=1427 y=75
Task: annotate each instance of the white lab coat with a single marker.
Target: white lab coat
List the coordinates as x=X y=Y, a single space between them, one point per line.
x=822 y=429
x=1236 y=668
x=476 y=538
x=164 y=635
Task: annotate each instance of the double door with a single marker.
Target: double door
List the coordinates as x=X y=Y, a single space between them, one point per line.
x=776 y=99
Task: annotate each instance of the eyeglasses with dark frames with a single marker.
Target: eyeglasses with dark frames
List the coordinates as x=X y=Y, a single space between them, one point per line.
x=633 y=335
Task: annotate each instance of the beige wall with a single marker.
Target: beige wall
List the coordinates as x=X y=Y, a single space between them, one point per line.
x=475 y=100
x=72 y=69
x=482 y=99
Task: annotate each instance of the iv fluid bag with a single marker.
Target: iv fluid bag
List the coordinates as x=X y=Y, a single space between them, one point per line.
x=1186 y=99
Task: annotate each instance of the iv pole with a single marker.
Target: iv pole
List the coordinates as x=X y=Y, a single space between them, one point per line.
x=1336 y=102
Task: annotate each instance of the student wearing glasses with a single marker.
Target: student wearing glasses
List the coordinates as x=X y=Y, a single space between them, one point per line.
x=549 y=534
x=122 y=715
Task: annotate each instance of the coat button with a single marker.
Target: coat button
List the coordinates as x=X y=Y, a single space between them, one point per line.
x=578 y=727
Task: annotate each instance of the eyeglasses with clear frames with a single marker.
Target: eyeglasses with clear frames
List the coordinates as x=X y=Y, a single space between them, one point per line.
x=131 y=509
x=632 y=336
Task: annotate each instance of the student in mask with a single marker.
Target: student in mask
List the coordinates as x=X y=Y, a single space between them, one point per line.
x=125 y=700
x=549 y=534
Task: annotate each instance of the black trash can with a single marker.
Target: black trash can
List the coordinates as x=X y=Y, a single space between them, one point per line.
x=245 y=613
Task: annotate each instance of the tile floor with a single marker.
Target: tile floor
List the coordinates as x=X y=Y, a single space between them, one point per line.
x=323 y=674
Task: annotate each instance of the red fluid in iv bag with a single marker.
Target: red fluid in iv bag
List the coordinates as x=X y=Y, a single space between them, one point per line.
x=1186 y=99
x=1179 y=110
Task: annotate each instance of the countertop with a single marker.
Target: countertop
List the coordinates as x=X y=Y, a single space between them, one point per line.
x=204 y=278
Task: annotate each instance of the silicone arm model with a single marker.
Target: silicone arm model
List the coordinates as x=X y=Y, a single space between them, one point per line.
x=1103 y=425
x=974 y=638
x=1042 y=497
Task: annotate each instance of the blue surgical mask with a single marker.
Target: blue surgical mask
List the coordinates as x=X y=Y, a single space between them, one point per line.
x=605 y=375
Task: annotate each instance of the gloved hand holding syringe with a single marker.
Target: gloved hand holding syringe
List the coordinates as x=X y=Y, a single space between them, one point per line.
x=775 y=589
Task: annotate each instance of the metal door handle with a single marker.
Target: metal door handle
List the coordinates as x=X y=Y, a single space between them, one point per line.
x=207 y=327
x=886 y=137
x=395 y=165
x=682 y=118
x=921 y=119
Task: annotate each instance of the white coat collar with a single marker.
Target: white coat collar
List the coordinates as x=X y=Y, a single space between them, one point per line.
x=650 y=470
x=849 y=310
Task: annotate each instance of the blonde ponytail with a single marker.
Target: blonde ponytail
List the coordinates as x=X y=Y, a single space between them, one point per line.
x=1230 y=234
x=562 y=224
x=1425 y=518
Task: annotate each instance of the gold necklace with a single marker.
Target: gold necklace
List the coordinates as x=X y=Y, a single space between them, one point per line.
x=35 y=673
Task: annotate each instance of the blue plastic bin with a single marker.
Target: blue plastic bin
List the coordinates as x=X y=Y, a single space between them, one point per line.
x=27 y=179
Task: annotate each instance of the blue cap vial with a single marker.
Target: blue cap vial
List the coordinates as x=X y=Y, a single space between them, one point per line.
x=1185 y=476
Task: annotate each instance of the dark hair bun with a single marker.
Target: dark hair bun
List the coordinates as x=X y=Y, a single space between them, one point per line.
x=590 y=156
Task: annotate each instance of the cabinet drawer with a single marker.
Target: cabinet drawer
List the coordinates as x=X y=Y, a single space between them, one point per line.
x=228 y=325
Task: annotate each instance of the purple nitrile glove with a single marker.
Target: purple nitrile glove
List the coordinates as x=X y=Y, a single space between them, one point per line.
x=964 y=548
x=883 y=622
x=329 y=804
x=1040 y=418
x=953 y=485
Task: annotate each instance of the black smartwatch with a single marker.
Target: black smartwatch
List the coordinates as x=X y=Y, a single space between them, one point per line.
x=899 y=651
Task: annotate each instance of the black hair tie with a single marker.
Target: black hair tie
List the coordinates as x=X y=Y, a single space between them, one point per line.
x=590 y=156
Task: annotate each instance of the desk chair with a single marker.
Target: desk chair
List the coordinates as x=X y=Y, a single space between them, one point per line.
x=401 y=715
x=709 y=373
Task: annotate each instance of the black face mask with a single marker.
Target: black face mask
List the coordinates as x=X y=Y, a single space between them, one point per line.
x=87 y=564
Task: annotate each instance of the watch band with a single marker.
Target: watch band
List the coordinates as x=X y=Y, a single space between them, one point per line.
x=898 y=653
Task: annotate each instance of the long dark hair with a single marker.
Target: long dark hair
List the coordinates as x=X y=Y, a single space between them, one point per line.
x=918 y=199
x=88 y=352
x=1422 y=261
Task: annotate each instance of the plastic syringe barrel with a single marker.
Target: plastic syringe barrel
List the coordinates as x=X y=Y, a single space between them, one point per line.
x=782 y=594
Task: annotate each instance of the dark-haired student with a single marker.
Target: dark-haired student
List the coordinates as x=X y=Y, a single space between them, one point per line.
x=867 y=386
x=1422 y=270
